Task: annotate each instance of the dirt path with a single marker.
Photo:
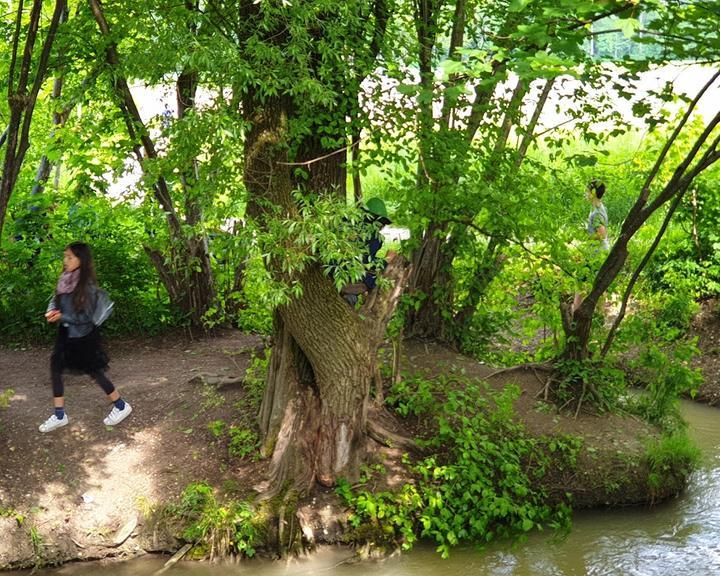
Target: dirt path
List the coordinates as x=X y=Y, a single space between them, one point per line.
x=79 y=485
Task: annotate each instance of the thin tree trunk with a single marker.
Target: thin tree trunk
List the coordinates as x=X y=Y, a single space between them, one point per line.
x=21 y=101
x=694 y=232
x=511 y=114
x=431 y=281
x=638 y=271
x=357 y=179
x=530 y=128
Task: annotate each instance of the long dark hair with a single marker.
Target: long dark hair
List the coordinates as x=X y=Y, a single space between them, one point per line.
x=87 y=273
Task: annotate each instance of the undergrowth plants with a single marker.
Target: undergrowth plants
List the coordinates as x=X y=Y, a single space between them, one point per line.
x=482 y=477
x=216 y=528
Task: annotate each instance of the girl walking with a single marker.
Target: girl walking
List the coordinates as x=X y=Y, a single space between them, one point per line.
x=78 y=308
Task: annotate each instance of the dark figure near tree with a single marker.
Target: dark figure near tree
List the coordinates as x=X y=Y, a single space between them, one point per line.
x=376 y=217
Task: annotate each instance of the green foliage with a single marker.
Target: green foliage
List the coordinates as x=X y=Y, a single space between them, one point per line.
x=412 y=395
x=671 y=459
x=255 y=379
x=32 y=263
x=12 y=513
x=608 y=383
x=217 y=427
x=689 y=260
x=325 y=231
x=666 y=374
x=663 y=355
x=482 y=482
x=385 y=518
x=218 y=529
x=5 y=396
x=38 y=547
x=243 y=442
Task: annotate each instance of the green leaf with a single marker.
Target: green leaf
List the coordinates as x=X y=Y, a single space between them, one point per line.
x=518 y=5
x=629 y=26
x=450 y=67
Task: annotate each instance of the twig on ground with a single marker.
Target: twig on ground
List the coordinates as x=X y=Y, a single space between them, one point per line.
x=179 y=555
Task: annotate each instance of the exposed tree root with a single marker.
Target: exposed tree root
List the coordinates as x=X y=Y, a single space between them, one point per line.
x=529 y=366
x=377 y=429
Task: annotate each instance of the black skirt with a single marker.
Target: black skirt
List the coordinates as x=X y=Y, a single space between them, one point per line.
x=81 y=355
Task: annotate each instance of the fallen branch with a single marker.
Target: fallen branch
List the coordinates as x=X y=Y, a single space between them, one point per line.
x=179 y=555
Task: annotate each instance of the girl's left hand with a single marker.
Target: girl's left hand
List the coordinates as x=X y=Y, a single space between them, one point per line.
x=53 y=316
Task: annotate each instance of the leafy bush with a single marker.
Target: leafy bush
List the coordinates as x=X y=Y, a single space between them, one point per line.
x=255 y=379
x=30 y=267
x=412 y=395
x=243 y=442
x=482 y=482
x=667 y=374
x=607 y=382
x=662 y=356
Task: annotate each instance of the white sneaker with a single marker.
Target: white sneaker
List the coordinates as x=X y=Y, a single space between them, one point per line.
x=116 y=416
x=53 y=422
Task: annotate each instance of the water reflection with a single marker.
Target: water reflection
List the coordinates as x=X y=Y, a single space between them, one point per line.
x=678 y=538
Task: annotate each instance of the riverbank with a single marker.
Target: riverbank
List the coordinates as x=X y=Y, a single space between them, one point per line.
x=706 y=327
x=83 y=492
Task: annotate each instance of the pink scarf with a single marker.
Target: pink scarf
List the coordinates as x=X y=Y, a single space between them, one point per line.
x=68 y=281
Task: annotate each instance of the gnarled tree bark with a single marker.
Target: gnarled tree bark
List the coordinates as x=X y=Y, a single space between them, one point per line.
x=323 y=362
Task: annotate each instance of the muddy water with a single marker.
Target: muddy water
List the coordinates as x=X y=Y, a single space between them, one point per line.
x=678 y=538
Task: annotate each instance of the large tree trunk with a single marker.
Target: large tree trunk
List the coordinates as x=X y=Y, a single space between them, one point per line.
x=315 y=404
x=324 y=357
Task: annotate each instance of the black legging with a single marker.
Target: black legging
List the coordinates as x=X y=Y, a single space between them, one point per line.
x=99 y=377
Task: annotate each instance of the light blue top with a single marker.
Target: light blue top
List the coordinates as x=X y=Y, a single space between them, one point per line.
x=598 y=217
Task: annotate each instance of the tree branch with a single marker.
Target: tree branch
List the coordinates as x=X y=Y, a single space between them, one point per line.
x=132 y=116
x=530 y=129
x=645 y=192
x=679 y=173
x=510 y=113
x=59 y=16
x=16 y=43
x=638 y=271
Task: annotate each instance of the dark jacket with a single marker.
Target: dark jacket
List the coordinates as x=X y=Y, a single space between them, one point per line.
x=78 y=322
x=373 y=245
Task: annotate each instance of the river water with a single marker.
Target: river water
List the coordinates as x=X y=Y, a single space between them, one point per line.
x=677 y=538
